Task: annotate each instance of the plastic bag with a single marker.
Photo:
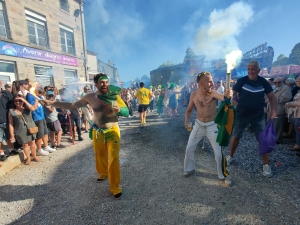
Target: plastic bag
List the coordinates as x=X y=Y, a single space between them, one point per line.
x=267 y=138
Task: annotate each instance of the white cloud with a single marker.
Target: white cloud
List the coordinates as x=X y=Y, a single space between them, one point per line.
x=218 y=37
x=114 y=27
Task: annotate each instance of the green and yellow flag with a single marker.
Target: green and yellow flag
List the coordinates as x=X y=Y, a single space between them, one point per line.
x=225 y=120
x=113 y=94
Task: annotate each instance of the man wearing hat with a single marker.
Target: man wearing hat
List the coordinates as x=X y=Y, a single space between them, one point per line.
x=107 y=106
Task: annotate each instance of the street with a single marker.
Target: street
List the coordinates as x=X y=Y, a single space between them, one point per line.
x=62 y=188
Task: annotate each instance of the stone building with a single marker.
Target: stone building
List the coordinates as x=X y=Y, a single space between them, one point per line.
x=178 y=73
x=43 y=40
x=109 y=69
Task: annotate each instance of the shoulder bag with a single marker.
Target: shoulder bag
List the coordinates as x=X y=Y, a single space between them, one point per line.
x=31 y=130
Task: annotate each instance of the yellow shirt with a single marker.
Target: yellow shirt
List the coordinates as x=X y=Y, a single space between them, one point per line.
x=143 y=95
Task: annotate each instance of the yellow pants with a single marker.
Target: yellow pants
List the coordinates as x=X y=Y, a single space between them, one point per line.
x=107 y=147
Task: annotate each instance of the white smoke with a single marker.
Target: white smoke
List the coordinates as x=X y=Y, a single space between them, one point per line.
x=218 y=37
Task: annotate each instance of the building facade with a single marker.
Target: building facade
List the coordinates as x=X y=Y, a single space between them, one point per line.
x=43 y=40
x=110 y=70
x=178 y=73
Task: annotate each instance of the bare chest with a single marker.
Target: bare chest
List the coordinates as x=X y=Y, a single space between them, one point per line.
x=204 y=101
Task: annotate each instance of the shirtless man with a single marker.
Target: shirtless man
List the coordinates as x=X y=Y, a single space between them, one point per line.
x=106 y=133
x=205 y=101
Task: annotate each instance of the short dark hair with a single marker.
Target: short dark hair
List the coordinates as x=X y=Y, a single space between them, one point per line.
x=142 y=84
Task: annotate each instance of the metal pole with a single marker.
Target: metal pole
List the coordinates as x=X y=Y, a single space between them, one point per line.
x=83 y=39
x=228 y=78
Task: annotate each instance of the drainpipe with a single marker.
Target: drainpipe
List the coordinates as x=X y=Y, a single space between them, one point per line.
x=81 y=3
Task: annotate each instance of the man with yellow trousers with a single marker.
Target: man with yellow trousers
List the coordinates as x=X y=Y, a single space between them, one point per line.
x=143 y=95
x=105 y=133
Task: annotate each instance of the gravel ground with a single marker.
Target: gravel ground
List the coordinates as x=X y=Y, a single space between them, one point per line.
x=62 y=189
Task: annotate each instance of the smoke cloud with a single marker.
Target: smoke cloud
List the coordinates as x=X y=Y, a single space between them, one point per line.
x=218 y=37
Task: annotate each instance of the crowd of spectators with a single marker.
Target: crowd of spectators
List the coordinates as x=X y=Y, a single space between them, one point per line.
x=27 y=125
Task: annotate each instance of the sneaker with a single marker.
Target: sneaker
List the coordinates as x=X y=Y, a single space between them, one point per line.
x=48 y=149
x=42 y=152
x=189 y=173
x=229 y=160
x=118 y=196
x=80 y=138
x=99 y=180
x=3 y=158
x=228 y=181
x=267 y=172
x=60 y=146
x=14 y=152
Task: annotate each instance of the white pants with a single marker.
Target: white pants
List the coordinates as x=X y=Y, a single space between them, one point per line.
x=210 y=130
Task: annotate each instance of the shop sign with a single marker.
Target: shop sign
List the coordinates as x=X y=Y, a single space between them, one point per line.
x=32 y=53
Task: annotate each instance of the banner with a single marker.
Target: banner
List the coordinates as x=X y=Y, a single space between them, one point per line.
x=32 y=53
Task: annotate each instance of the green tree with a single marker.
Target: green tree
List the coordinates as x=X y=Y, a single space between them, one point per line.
x=294 y=57
x=281 y=60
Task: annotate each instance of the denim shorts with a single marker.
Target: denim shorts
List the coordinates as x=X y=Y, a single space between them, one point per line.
x=241 y=122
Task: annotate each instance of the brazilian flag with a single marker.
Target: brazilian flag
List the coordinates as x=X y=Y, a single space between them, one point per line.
x=113 y=94
x=225 y=120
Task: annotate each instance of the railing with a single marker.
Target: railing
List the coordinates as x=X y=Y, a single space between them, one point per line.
x=64 y=5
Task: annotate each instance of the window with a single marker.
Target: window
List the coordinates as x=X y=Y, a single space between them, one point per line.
x=3 y=21
x=7 y=72
x=70 y=76
x=67 y=40
x=44 y=75
x=64 y=5
x=36 y=28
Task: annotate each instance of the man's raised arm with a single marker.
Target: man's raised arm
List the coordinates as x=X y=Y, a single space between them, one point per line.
x=67 y=105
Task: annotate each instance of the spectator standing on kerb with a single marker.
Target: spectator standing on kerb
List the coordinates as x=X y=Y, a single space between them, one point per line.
x=52 y=122
x=38 y=117
x=250 y=109
x=20 y=119
x=5 y=98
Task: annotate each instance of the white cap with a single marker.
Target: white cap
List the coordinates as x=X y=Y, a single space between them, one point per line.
x=8 y=82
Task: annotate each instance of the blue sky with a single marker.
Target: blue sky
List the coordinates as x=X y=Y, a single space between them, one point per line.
x=140 y=35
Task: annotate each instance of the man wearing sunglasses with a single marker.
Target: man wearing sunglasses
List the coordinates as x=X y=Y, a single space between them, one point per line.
x=7 y=87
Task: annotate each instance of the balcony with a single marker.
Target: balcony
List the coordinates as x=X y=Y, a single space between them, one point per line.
x=64 y=5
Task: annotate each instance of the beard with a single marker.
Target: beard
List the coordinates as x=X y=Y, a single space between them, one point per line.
x=103 y=90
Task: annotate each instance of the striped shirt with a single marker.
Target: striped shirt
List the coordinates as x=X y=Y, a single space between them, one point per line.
x=251 y=95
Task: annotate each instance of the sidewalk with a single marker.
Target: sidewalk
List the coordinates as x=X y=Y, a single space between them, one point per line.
x=17 y=160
